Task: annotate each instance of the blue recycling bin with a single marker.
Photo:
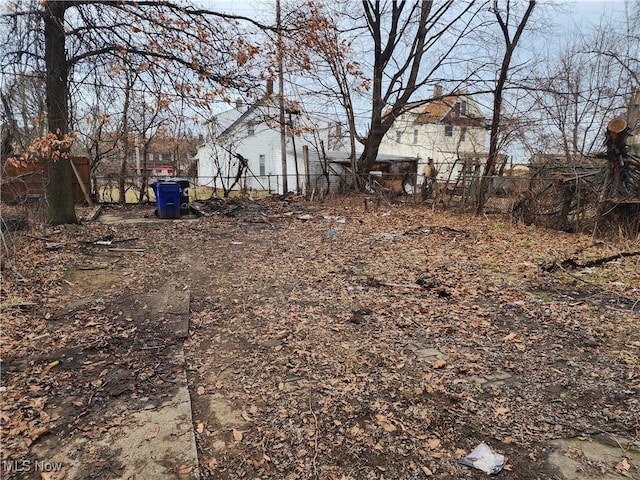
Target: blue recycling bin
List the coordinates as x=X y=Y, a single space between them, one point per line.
x=184 y=183
x=167 y=194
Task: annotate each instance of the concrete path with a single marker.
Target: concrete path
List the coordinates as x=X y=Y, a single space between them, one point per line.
x=150 y=440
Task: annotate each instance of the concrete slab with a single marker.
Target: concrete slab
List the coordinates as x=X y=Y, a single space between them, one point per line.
x=137 y=438
x=171 y=307
x=603 y=457
x=156 y=443
x=427 y=354
x=494 y=379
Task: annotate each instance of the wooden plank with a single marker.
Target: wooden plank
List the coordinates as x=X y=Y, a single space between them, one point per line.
x=95 y=213
x=81 y=182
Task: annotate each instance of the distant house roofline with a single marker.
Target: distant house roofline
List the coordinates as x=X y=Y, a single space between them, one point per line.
x=443 y=109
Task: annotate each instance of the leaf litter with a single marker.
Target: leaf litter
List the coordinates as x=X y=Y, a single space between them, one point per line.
x=352 y=355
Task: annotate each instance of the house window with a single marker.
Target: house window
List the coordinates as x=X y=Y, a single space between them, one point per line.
x=398 y=136
x=448 y=130
x=463 y=107
x=262 y=166
x=463 y=133
x=415 y=136
x=251 y=129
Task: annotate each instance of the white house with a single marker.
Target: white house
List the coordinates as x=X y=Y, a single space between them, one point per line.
x=449 y=129
x=252 y=132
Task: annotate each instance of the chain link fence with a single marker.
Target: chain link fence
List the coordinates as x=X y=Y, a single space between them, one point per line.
x=554 y=197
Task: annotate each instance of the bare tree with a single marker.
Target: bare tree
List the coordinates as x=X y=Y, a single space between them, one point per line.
x=94 y=120
x=322 y=50
x=228 y=166
x=411 y=43
x=22 y=108
x=505 y=20
x=170 y=37
x=575 y=94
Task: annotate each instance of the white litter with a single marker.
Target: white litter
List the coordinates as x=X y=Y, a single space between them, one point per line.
x=484 y=459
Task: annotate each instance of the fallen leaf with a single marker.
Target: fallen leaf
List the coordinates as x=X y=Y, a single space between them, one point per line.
x=237 y=435
x=426 y=471
x=573 y=452
x=200 y=427
x=200 y=390
x=501 y=411
x=623 y=465
x=439 y=363
x=434 y=443
x=184 y=469
x=384 y=422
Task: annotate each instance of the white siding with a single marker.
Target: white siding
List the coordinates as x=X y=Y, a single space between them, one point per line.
x=432 y=143
x=264 y=141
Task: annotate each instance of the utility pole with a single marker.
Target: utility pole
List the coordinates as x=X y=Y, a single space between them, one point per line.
x=283 y=136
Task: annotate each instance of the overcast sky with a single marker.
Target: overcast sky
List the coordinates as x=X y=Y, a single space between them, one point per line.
x=589 y=10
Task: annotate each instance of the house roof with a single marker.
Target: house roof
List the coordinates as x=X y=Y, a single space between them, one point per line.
x=266 y=100
x=447 y=109
x=435 y=111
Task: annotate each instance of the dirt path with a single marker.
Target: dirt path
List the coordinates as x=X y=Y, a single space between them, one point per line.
x=353 y=344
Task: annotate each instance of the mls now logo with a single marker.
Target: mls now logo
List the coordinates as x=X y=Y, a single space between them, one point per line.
x=30 y=466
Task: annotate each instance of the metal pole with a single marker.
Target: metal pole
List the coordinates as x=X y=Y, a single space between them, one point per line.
x=283 y=138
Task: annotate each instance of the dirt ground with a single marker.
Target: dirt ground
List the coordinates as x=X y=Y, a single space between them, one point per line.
x=327 y=340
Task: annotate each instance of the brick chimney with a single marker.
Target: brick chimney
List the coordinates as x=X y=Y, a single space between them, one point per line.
x=238 y=103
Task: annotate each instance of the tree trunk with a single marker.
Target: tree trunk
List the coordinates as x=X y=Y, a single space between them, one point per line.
x=59 y=189
x=383 y=56
x=510 y=46
x=122 y=191
x=370 y=152
x=144 y=173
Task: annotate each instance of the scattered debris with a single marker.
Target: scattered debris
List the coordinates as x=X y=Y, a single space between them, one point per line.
x=485 y=459
x=428 y=282
x=571 y=263
x=94 y=214
x=14 y=222
x=337 y=218
x=328 y=358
